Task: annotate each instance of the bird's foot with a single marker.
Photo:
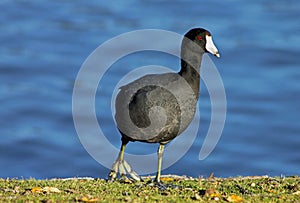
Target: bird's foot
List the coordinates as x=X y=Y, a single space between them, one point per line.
x=123 y=168
x=162 y=186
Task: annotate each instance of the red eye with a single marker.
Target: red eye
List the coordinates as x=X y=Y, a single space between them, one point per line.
x=199 y=38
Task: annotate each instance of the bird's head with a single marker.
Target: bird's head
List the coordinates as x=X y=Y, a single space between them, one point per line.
x=204 y=39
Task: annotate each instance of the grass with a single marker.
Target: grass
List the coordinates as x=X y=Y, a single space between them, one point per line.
x=239 y=189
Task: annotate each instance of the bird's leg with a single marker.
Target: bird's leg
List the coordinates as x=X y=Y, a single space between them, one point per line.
x=157 y=180
x=122 y=167
x=113 y=174
x=159 y=154
x=158 y=174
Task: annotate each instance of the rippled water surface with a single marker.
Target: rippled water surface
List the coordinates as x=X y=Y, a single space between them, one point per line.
x=44 y=43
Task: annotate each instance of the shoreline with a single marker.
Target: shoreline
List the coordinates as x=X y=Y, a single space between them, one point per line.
x=179 y=189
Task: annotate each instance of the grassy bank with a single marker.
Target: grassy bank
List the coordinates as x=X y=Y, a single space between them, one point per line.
x=239 y=189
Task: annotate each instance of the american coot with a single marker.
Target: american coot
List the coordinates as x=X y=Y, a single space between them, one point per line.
x=158 y=107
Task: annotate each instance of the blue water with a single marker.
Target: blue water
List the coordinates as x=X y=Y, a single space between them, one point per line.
x=44 y=43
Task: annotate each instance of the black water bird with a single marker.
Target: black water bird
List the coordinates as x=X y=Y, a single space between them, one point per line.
x=158 y=107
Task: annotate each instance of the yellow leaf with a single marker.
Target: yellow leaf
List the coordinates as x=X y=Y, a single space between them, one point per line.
x=36 y=190
x=85 y=199
x=166 y=179
x=215 y=195
x=235 y=198
x=51 y=189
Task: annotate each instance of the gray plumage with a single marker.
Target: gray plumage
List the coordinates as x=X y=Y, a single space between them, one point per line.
x=158 y=107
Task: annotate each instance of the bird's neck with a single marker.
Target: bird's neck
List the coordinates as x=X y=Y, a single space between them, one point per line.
x=190 y=70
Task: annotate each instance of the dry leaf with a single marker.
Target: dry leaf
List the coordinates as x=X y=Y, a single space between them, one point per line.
x=235 y=198
x=36 y=190
x=51 y=189
x=86 y=199
x=296 y=193
x=45 y=189
x=166 y=179
x=211 y=192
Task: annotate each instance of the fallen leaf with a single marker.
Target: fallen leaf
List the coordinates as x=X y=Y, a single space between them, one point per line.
x=296 y=193
x=235 y=198
x=45 y=189
x=211 y=192
x=86 y=199
x=51 y=189
x=166 y=179
x=36 y=190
